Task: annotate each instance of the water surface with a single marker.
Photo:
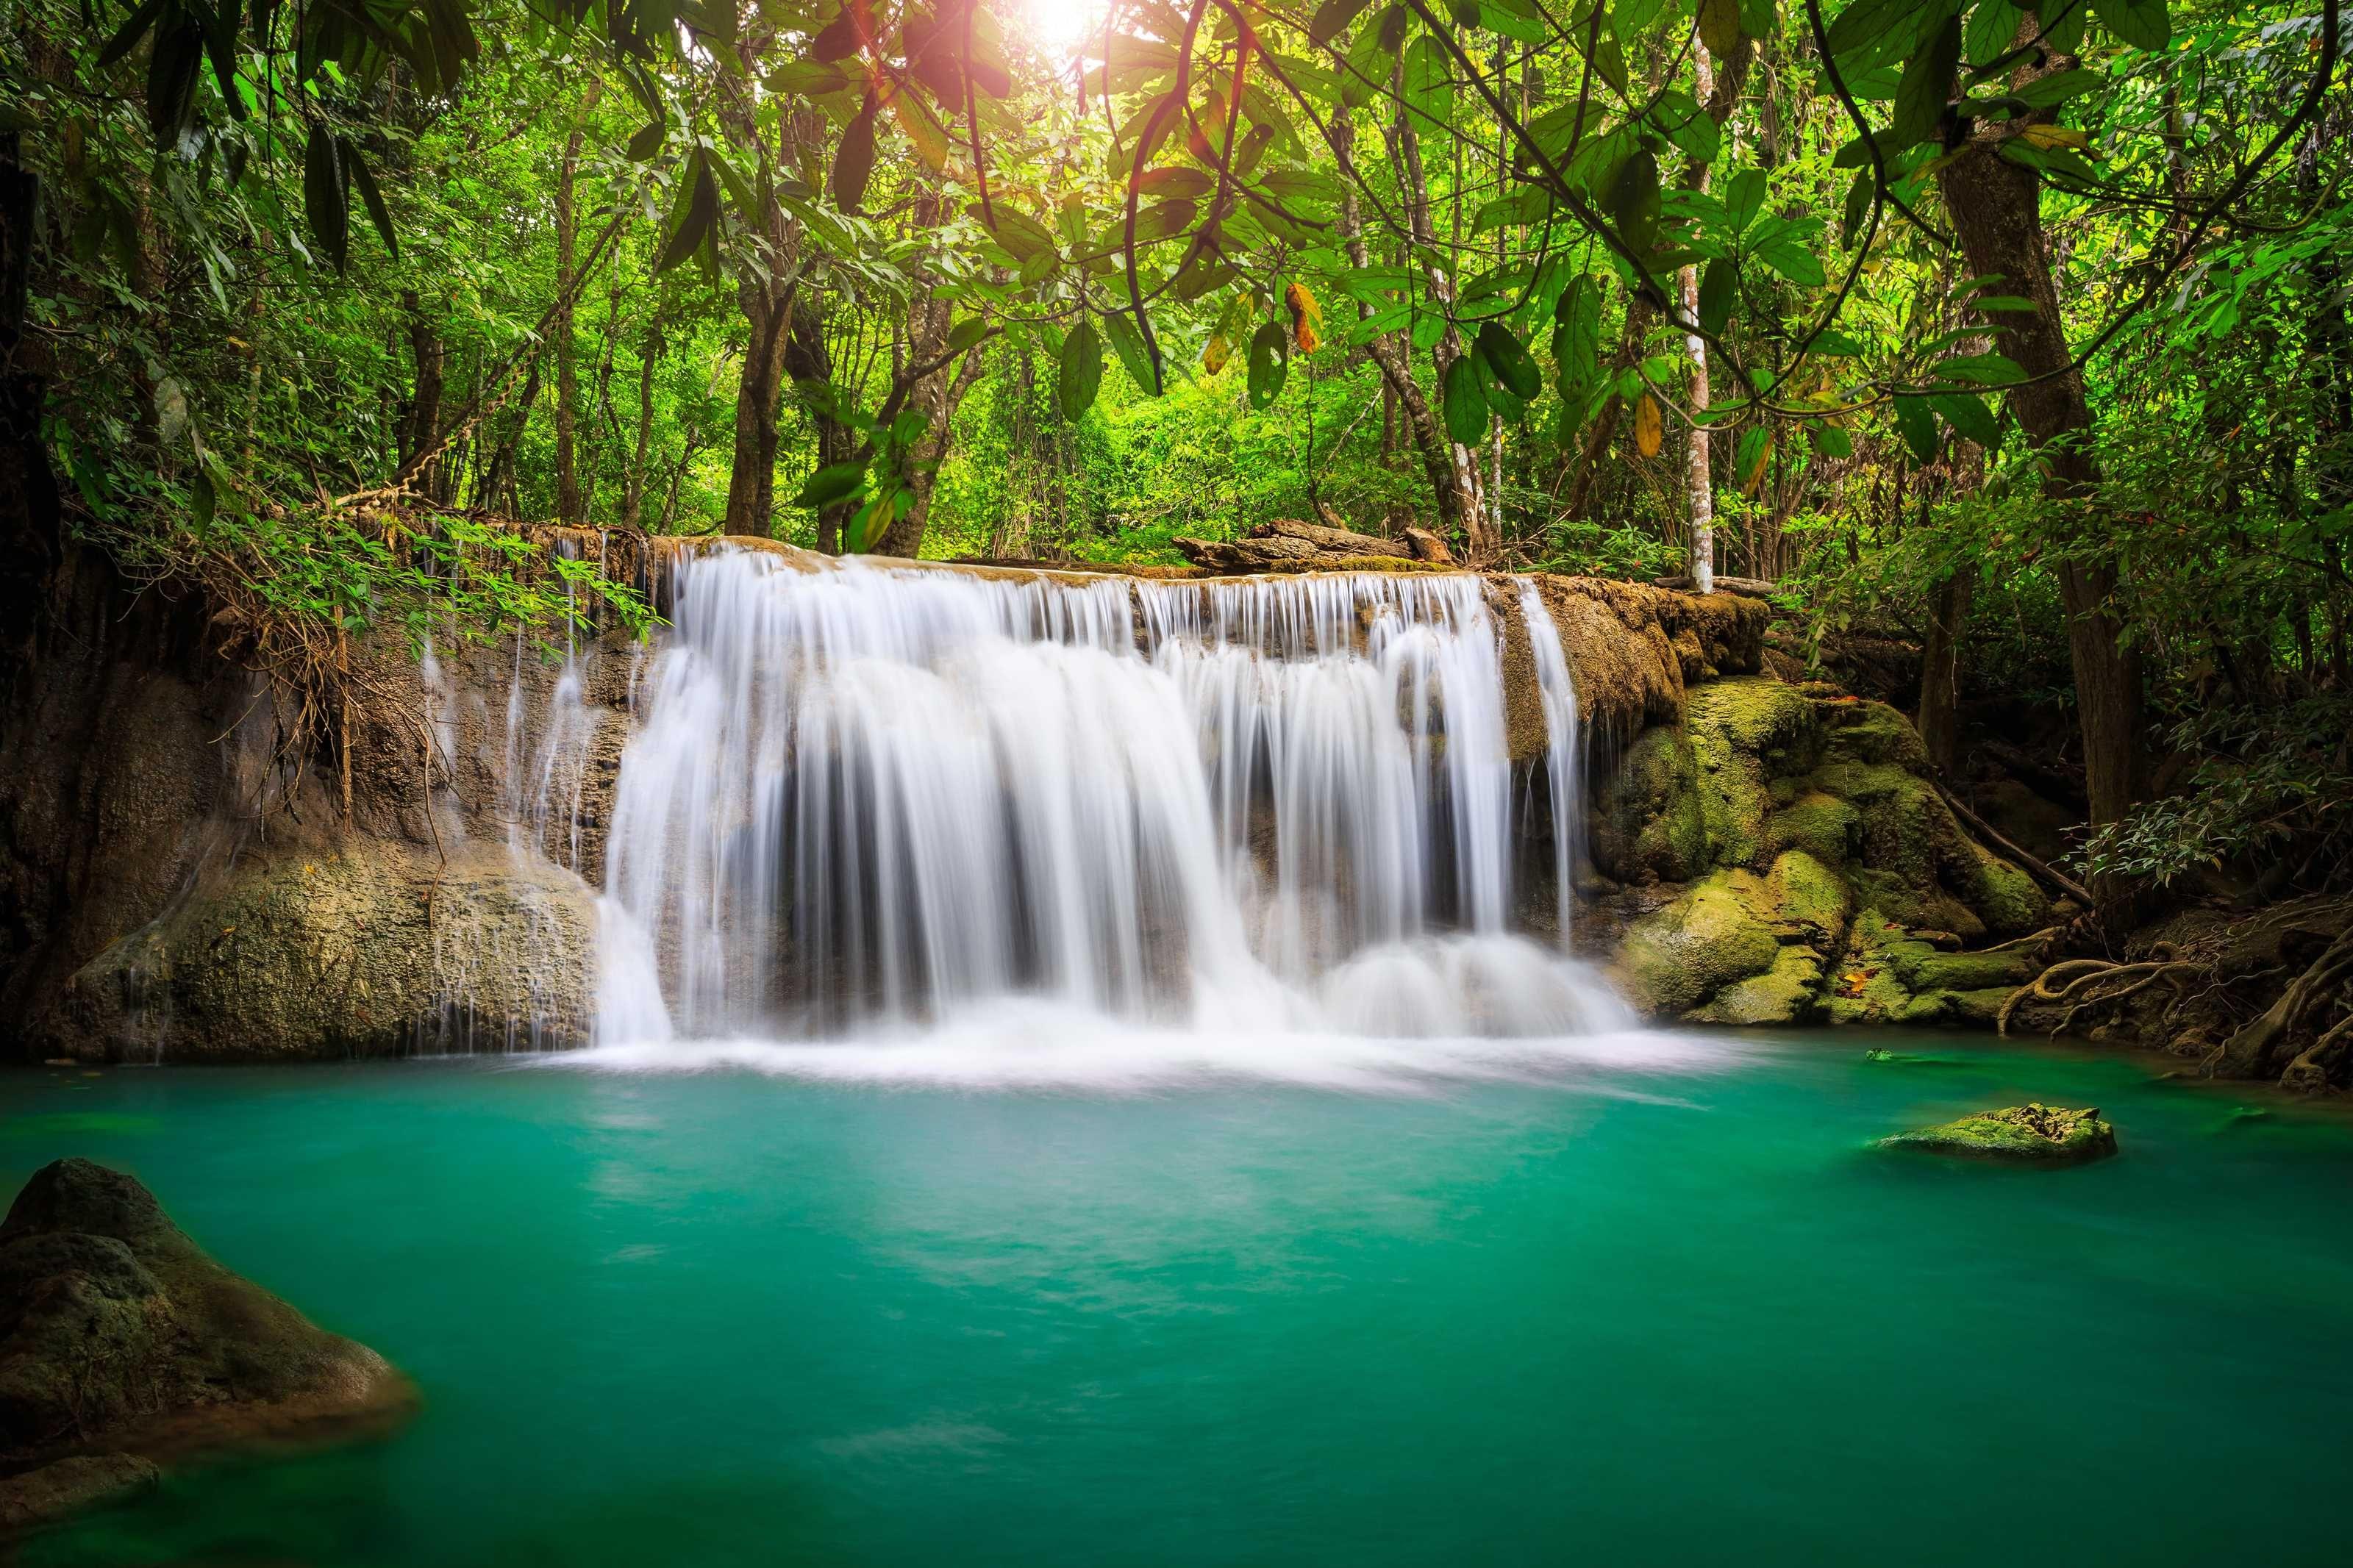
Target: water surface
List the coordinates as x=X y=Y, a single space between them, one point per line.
x=1666 y=1309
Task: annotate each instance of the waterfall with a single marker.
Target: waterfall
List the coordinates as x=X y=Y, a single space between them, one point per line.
x=861 y=795
x=1563 y=748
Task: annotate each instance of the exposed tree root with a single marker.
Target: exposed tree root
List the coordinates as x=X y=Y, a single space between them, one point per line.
x=2083 y=974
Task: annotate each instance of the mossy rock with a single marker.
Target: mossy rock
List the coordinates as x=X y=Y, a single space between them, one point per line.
x=1720 y=931
x=1746 y=734
x=1646 y=819
x=1788 y=992
x=1818 y=823
x=2032 y=1134
x=1873 y=732
x=1890 y=977
x=122 y=1338
x=1808 y=893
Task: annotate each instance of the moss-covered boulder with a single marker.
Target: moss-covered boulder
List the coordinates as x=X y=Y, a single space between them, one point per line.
x=2025 y=1135
x=1719 y=931
x=1738 y=948
x=120 y=1337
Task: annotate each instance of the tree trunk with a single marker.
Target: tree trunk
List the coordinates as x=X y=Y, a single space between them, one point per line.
x=569 y=507
x=31 y=533
x=420 y=431
x=633 y=487
x=1949 y=613
x=1996 y=208
x=1461 y=461
x=1390 y=355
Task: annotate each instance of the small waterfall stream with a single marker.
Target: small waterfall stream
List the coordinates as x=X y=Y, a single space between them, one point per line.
x=864 y=797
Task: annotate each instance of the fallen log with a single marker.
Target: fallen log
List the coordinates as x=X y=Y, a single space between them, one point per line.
x=1331 y=540
x=1747 y=588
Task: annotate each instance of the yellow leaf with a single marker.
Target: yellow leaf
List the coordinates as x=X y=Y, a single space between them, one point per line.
x=2048 y=136
x=1306 y=315
x=1214 y=357
x=1649 y=431
x=1755 y=474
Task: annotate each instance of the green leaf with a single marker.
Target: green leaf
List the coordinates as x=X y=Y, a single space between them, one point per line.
x=966 y=332
x=1927 y=84
x=831 y=483
x=692 y=214
x=2049 y=91
x=853 y=165
x=1270 y=361
x=126 y=38
x=1719 y=289
x=1795 y=262
x=1970 y=418
x=1744 y=198
x=1332 y=19
x=1986 y=370
x=202 y=498
x=1917 y=425
x=2002 y=302
x=1515 y=368
x=1756 y=443
x=371 y=198
x=1080 y=373
x=2143 y=24
x=1177 y=184
x=1830 y=441
x=1872 y=33
x=1858 y=208
x=1634 y=201
x=1466 y=404
x=1128 y=344
x=326 y=201
x=1576 y=341
x=1691 y=128
x=647 y=140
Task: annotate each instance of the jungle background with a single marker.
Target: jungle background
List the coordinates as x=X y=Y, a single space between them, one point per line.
x=2004 y=349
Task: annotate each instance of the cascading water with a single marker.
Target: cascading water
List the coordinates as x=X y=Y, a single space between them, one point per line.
x=865 y=798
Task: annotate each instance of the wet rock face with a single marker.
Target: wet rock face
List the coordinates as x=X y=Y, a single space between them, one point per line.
x=374 y=948
x=2023 y=1134
x=120 y=1340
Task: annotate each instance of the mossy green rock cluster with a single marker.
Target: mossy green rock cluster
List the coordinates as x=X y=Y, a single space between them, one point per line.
x=1785 y=813
x=2028 y=1134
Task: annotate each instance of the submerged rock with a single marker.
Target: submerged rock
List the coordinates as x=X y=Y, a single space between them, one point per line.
x=2029 y=1134
x=121 y=1340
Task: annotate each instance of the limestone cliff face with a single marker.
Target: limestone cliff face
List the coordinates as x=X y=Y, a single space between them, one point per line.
x=180 y=886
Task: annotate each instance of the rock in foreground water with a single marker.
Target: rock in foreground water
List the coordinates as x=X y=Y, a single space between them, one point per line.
x=120 y=1340
x=2027 y=1134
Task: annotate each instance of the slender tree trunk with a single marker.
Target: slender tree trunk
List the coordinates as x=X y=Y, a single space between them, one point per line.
x=569 y=505
x=1461 y=461
x=420 y=431
x=1948 y=614
x=1389 y=354
x=1996 y=208
x=633 y=487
